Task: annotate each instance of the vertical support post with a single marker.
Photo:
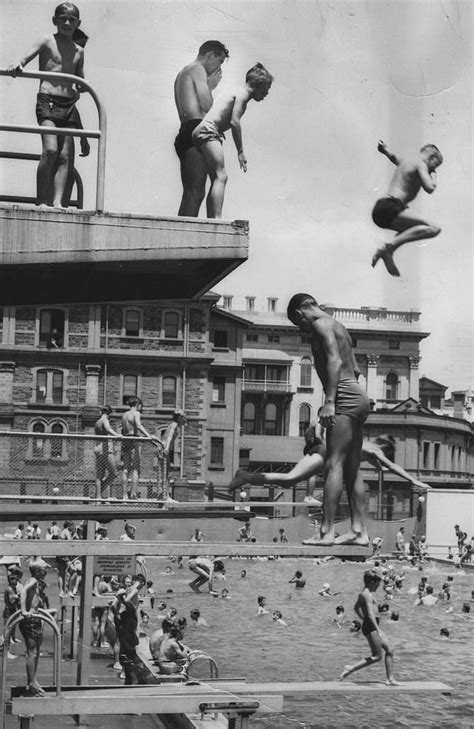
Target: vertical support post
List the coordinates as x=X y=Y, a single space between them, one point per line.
x=380 y=504
x=87 y=582
x=25 y=721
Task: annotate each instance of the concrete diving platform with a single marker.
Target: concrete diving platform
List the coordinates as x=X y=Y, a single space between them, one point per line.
x=73 y=256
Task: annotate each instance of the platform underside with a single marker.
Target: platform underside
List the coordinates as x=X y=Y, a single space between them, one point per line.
x=71 y=256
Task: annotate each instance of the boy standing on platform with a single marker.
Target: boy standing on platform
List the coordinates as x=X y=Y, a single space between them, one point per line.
x=345 y=409
x=31 y=627
x=389 y=212
x=225 y=114
x=56 y=100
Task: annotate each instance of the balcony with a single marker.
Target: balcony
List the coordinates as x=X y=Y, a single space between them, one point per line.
x=266 y=386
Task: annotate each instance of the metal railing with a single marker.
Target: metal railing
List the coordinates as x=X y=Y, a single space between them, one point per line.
x=266 y=386
x=77 y=180
x=78 y=466
x=99 y=134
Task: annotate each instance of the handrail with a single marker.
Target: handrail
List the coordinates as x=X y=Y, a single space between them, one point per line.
x=196 y=656
x=100 y=135
x=79 y=202
x=12 y=621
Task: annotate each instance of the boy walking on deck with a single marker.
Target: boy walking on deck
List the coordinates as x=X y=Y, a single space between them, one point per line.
x=225 y=114
x=55 y=106
x=389 y=212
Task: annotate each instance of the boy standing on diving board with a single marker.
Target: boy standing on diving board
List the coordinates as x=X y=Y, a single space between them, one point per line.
x=389 y=212
x=225 y=114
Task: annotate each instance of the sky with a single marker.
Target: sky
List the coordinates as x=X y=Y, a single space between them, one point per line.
x=347 y=73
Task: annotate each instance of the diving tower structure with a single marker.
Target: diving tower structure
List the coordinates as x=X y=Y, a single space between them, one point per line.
x=77 y=256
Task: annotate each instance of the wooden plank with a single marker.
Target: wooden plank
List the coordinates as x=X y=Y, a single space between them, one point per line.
x=24 y=548
x=180 y=505
x=16 y=511
x=125 y=703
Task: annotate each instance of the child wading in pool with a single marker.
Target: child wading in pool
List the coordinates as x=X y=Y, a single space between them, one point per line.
x=365 y=608
x=389 y=212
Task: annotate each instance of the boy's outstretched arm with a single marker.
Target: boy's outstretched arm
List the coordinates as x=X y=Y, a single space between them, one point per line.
x=32 y=53
x=238 y=110
x=382 y=148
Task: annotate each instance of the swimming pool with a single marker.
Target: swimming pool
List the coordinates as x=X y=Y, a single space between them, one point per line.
x=311 y=647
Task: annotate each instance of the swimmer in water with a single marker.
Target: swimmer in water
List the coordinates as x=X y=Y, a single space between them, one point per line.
x=261 y=601
x=340 y=617
x=298 y=580
x=326 y=591
x=277 y=617
x=365 y=609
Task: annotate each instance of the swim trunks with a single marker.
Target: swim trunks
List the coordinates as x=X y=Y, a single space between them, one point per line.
x=131 y=455
x=207 y=131
x=386 y=210
x=31 y=628
x=368 y=626
x=59 y=109
x=352 y=400
x=315 y=445
x=184 y=140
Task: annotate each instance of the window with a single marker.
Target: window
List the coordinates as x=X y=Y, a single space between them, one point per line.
x=227 y=302
x=49 y=387
x=304 y=419
x=275 y=374
x=129 y=387
x=274 y=338
x=270 y=425
x=132 y=322
x=169 y=391
x=393 y=343
x=217 y=451
x=306 y=372
x=218 y=389
x=171 y=325
x=305 y=339
x=221 y=339
x=250 y=303
x=391 y=386
x=426 y=454
x=437 y=448
x=353 y=342
x=251 y=337
x=435 y=402
x=249 y=424
x=51 y=328
x=453 y=458
x=272 y=304
x=41 y=447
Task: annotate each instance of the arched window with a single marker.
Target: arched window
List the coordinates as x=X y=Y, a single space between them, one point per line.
x=171 y=325
x=270 y=425
x=249 y=424
x=129 y=387
x=37 y=448
x=169 y=392
x=57 y=444
x=391 y=386
x=306 y=372
x=304 y=418
x=132 y=322
x=44 y=447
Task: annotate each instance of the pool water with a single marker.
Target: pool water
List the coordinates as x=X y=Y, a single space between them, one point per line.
x=312 y=648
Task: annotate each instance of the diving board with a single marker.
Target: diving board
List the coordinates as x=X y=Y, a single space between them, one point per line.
x=84 y=548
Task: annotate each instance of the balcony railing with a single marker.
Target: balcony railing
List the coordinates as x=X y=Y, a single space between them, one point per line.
x=266 y=386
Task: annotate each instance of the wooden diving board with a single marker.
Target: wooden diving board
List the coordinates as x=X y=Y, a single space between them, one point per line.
x=84 y=548
x=103 y=512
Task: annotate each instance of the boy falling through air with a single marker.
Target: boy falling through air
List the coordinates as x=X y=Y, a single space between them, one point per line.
x=389 y=212
x=226 y=113
x=55 y=107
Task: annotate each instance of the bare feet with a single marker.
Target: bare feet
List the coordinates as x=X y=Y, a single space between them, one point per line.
x=325 y=541
x=311 y=500
x=386 y=254
x=346 y=672
x=391 y=682
x=350 y=537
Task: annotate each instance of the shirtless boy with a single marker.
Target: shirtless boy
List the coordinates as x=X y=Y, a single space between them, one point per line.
x=225 y=114
x=31 y=626
x=389 y=212
x=170 y=434
x=56 y=99
x=345 y=409
x=132 y=426
x=106 y=469
x=193 y=89
x=366 y=607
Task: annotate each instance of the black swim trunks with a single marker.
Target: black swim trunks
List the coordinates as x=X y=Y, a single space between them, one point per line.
x=31 y=627
x=368 y=626
x=315 y=445
x=386 y=210
x=184 y=140
x=59 y=109
x=352 y=400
